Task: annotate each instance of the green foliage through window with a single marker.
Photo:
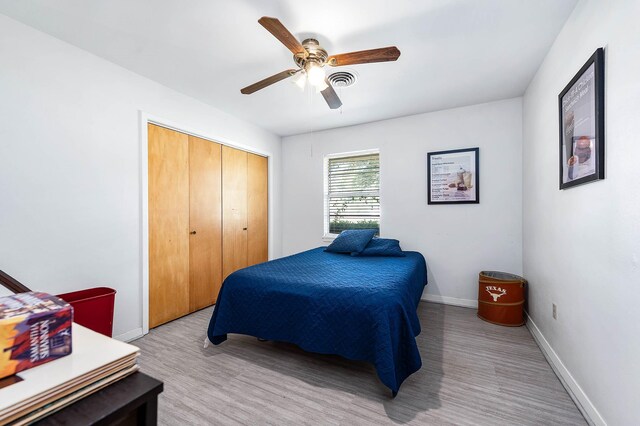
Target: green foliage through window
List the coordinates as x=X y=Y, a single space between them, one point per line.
x=354 y=193
x=338 y=226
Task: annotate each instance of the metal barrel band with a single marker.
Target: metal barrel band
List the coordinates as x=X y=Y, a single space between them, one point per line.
x=502 y=282
x=502 y=304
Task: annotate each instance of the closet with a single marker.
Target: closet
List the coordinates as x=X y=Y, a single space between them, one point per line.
x=208 y=217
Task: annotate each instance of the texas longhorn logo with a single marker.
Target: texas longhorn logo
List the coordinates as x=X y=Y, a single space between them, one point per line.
x=495 y=292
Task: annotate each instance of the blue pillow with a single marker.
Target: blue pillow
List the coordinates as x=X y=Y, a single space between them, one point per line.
x=352 y=240
x=382 y=247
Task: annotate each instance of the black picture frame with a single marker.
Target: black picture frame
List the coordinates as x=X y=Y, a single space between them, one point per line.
x=581 y=119
x=446 y=184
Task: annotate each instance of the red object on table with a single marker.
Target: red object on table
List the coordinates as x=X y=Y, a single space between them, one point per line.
x=93 y=308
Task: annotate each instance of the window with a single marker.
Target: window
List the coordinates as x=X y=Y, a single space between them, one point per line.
x=352 y=192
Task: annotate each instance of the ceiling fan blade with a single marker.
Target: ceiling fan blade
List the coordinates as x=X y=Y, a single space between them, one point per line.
x=331 y=96
x=279 y=31
x=383 y=54
x=268 y=81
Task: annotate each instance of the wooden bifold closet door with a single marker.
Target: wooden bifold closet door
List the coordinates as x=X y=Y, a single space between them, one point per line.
x=257 y=209
x=205 y=219
x=168 y=225
x=208 y=217
x=234 y=210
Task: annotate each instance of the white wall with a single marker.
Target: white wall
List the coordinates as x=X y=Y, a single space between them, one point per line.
x=70 y=212
x=582 y=245
x=458 y=241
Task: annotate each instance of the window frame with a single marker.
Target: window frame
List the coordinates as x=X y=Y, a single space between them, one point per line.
x=327 y=236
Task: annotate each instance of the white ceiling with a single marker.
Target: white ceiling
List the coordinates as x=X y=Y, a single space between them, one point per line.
x=454 y=52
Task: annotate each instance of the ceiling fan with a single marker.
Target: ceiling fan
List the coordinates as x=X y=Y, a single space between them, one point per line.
x=310 y=58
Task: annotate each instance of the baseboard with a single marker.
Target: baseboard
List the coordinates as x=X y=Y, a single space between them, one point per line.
x=582 y=401
x=445 y=300
x=134 y=334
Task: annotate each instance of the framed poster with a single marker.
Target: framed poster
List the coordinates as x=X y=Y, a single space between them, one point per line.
x=581 y=108
x=452 y=177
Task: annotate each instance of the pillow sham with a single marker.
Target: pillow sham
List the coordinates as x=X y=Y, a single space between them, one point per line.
x=382 y=247
x=351 y=241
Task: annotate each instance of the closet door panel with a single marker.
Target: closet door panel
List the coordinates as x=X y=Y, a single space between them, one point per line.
x=168 y=225
x=258 y=209
x=234 y=210
x=205 y=237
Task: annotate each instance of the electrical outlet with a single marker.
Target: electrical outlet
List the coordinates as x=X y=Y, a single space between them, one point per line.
x=555 y=311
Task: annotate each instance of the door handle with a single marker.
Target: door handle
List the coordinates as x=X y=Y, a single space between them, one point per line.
x=244 y=229
x=193 y=232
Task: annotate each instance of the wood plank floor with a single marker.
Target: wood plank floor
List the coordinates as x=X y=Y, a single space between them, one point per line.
x=473 y=373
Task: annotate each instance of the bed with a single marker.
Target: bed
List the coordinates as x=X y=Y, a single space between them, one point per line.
x=362 y=308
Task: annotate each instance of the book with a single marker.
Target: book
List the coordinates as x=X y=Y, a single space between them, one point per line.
x=35 y=328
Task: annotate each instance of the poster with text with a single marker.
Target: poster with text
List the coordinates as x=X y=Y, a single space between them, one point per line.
x=580 y=135
x=452 y=177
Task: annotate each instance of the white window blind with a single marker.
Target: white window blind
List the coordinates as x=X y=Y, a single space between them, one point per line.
x=353 y=193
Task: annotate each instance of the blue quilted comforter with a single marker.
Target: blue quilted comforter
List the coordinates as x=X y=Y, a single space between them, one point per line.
x=362 y=308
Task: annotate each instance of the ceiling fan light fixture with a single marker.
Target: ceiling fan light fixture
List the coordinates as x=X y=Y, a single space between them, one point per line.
x=300 y=79
x=316 y=75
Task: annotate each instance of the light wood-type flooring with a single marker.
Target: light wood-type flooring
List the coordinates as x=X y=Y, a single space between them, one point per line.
x=473 y=373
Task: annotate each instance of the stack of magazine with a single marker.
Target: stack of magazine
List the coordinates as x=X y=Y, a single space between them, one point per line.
x=96 y=361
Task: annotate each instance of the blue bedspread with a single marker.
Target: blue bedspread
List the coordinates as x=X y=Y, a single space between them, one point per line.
x=362 y=308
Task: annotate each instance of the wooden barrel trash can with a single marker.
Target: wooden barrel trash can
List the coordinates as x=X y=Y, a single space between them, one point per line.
x=501 y=298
